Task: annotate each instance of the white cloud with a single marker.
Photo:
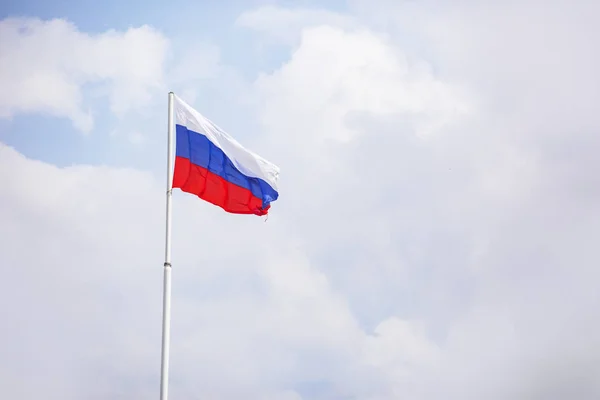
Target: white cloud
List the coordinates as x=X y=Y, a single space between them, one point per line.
x=44 y=66
x=264 y=313
x=435 y=221
x=284 y=25
x=335 y=73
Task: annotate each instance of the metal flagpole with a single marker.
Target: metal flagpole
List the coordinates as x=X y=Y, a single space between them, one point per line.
x=166 y=322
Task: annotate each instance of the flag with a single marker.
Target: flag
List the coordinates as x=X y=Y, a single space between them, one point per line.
x=215 y=167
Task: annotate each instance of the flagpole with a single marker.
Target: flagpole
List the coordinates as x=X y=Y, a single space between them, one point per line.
x=166 y=322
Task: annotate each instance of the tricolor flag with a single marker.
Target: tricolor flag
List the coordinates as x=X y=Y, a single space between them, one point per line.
x=212 y=165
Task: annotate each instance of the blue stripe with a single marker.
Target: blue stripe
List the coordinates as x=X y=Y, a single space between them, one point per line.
x=203 y=153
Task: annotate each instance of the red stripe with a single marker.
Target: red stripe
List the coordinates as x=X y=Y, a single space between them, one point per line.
x=211 y=187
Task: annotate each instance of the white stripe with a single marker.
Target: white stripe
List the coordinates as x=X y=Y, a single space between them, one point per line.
x=246 y=161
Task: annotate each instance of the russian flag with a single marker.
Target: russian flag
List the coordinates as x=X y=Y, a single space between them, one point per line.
x=215 y=167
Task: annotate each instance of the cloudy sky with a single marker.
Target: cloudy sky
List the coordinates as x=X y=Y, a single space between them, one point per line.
x=435 y=234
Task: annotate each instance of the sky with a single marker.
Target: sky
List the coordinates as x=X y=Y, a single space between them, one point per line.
x=435 y=235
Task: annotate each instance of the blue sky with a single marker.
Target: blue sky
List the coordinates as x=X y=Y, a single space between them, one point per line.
x=214 y=25
x=435 y=233
x=183 y=21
